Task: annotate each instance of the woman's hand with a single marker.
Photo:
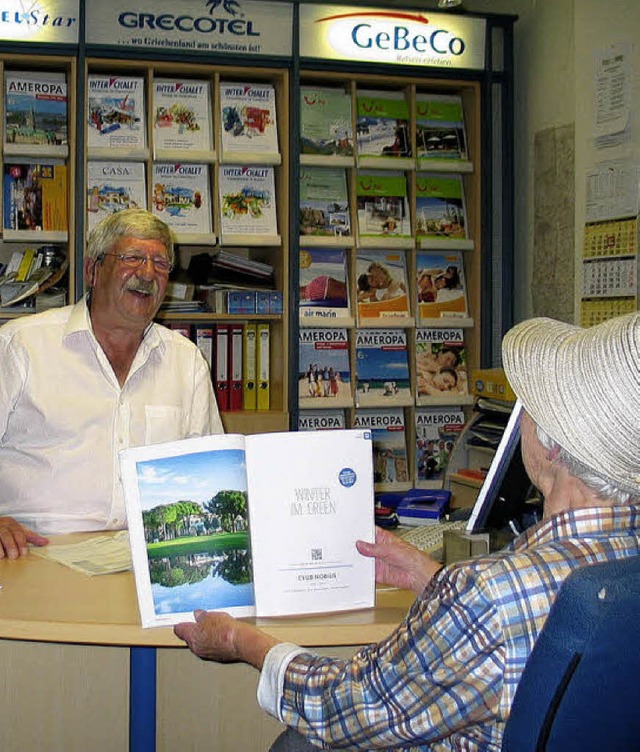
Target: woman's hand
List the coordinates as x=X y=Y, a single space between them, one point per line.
x=398 y=563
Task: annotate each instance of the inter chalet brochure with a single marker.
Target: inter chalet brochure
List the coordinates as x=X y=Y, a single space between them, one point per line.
x=261 y=525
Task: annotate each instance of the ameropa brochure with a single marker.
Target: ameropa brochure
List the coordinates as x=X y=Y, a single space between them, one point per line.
x=259 y=525
x=35 y=108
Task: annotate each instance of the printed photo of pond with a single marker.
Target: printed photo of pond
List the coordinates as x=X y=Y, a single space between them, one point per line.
x=194 y=512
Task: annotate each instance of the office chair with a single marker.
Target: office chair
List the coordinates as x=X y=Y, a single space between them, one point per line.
x=580 y=689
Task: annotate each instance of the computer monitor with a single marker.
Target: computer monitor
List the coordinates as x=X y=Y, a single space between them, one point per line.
x=505 y=497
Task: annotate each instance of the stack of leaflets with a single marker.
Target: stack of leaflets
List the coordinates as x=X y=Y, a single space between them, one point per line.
x=382 y=290
x=116 y=115
x=440 y=133
x=437 y=429
x=182 y=198
x=382 y=129
x=323 y=289
x=248 y=205
x=249 y=132
x=441 y=216
x=26 y=273
x=324 y=206
x=382 y=368
x=182 y=119
x=326 y=130
x=112 y=187
x=390 y=468
x=383 y=210
x=324 y=373
x=441 y=366
x=441 y=287
x=35 y=116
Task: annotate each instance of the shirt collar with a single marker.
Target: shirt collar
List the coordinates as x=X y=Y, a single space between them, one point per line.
x=595 y=521
x=80 y=321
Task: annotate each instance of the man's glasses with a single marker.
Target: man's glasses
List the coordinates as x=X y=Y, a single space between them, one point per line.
x=136 y=260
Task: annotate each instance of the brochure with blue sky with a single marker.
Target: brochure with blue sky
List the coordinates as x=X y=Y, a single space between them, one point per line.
x=258 y=525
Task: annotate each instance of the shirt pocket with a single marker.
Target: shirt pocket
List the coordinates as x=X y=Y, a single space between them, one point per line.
x=162 y=423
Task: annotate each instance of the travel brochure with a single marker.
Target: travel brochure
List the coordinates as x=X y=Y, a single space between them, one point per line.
x=252 y=525
x=35 y=197
x=181 y=197
x=390 y=466
x=324 y=373
x=383 y=208
x=441 y=365
x=440 y=131
x=382 y=125
x=248 y=120
x=326 y=130
x=382 y=368
x=437 y=429
x=35 y=112
x=382 y=289
x=247 y=200
x=324 y=206
x=441 y=217
x=441 y=286
x=182 y=115
x=116 y=113
x=323 y=289
x=112 y=187
x=321 y=420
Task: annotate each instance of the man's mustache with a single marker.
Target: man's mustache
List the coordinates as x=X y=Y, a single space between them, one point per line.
x=146 y=286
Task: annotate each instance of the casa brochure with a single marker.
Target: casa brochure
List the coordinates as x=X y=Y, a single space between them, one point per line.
x=112 y=187
x=261 y=525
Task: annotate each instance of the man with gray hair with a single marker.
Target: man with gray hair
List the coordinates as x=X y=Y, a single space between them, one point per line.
x=79 y=383
x=445 y=679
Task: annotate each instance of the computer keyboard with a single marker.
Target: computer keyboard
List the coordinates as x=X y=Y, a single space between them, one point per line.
x=429 y=537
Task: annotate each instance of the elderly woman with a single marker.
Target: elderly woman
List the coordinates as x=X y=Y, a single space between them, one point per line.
x=446 y=677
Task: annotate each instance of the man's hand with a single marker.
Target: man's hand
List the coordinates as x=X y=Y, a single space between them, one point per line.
x=14 y=539
x=219 y=637
x=398 y=563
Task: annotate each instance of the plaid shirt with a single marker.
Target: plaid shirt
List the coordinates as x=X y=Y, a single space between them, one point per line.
x=446 y=677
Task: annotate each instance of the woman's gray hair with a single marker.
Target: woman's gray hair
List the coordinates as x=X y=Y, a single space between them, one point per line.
x=129 y=223
x=593 y=480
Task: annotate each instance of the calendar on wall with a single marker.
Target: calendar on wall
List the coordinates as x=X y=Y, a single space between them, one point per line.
x=609 y=270
x=614 y=238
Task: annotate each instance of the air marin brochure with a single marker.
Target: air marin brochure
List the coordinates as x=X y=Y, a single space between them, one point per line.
x=261 y=525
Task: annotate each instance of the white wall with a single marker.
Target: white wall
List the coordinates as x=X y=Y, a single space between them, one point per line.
x=597 y=26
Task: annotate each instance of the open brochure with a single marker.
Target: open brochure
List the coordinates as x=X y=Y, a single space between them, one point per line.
x=252 y=525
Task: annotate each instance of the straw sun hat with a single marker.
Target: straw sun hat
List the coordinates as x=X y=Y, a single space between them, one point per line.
x=582 y=386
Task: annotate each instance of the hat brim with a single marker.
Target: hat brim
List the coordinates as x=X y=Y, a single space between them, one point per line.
x=582 y=386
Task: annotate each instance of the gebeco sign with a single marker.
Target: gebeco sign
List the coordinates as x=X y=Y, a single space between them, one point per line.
x=401 y=37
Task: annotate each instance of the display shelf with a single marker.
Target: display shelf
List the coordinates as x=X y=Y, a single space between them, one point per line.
x=272 y=247
x=63 y=70
x=469 y=93
x=181 y=155
x=38 y=151
x=434 y=244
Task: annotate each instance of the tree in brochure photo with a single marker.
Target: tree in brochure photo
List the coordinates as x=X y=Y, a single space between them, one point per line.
x=259 y=525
